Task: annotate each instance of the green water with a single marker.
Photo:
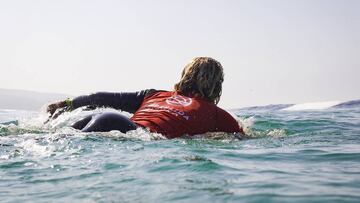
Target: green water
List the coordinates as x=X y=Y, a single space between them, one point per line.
x=303 y=156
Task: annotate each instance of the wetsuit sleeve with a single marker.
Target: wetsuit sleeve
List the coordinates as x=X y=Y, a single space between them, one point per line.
x=125 y=101
x=226 y=123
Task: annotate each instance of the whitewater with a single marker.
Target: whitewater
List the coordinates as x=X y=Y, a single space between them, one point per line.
x=292 y=153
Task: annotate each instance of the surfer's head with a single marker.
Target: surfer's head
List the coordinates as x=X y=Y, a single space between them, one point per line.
x=203 y=77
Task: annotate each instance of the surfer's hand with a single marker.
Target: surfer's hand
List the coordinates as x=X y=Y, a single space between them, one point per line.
x=53 y=107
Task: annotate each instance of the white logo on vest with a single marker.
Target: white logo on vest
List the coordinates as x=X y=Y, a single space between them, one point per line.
x=179 y=100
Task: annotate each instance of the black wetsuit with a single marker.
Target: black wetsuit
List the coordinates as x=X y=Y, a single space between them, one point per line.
x=107 y=121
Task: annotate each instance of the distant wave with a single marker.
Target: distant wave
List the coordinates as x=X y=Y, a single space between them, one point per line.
x=312 y=106
x=306 y=106
x=348 y=104
x=272 y=107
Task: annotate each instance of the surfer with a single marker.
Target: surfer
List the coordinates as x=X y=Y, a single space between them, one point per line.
x=191 y=108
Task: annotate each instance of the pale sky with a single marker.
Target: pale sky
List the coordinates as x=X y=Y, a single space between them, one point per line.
x=273 y=51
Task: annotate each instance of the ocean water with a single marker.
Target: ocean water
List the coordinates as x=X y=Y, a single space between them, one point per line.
x=293 y=153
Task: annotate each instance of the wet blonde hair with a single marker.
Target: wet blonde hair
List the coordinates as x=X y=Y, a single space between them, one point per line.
x=203 y=77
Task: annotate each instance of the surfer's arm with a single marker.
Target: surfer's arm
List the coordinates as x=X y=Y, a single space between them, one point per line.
x=125 y=101
x=227 y=123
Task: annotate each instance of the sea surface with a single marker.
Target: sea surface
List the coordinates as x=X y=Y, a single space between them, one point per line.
x=292 y=153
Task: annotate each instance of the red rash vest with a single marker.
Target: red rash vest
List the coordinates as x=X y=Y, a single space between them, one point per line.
x=173 y=114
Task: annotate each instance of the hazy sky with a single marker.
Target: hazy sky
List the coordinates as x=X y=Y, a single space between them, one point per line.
x=282 y=51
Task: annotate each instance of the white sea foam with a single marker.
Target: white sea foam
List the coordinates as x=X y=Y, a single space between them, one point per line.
x=5 y=157
x=312 y=106
x=138 y=134
x=31 y=146
x=246 y=123
x=276 y=133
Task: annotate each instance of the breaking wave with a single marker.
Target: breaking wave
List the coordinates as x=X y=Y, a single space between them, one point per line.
x=306 y=106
